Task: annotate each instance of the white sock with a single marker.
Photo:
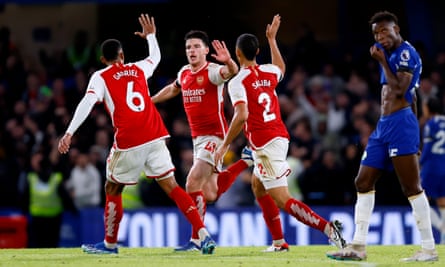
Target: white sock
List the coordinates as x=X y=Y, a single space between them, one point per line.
x=421 y=213
x=362 y=214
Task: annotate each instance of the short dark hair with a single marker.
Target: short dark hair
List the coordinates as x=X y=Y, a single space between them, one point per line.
x=248 y=44
x=196 y=34
x=110 y=49
x=434 y=105
x=383 y=16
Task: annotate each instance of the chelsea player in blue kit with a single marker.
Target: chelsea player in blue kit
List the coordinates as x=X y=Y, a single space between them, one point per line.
x=394 y=144
x=432 y=173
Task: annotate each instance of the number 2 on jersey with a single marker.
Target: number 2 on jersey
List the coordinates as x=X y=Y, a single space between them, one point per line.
x=438 y=145
x=265 y=101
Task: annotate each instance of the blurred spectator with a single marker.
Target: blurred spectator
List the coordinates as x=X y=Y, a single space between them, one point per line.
x=427 y=89
x=102 y=143
x=132 y=194
x=357 y=85
x=296 y=168
x=84 y=183
x=80 y=55
x=333 y=82
x=315 y=101
x=338 y=112
x=296 y=84
x=303 y=145
x=44 y=198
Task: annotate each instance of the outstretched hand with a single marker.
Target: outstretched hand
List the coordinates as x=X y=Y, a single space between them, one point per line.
x=222 y=53
x=272 y=29
x=148 y=25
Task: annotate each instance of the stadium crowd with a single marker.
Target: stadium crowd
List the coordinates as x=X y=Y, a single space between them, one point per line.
x=329 y=102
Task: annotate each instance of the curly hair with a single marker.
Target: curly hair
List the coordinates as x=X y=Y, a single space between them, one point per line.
x=383 y=16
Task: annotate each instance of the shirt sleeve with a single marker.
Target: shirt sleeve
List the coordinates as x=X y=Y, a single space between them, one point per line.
x=82 y=111
x=95 y=93
x=149 y=64
x=215 y=75
x=237 y=92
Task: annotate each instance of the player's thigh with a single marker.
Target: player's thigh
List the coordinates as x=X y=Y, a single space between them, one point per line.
x=158 y=163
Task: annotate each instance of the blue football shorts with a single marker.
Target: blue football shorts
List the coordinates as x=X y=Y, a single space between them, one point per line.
x=396 y=134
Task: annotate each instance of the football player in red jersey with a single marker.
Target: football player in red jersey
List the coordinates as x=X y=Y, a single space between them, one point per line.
x=202 y=83
x=139 y=137
x=257 y=110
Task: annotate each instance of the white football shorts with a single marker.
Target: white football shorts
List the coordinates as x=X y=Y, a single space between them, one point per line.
x=270 y=164
x=153 y=159
x=204 y=148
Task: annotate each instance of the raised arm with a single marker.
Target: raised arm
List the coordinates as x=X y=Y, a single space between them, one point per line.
x=271 y=33
x=223 y=55
x=149 y=32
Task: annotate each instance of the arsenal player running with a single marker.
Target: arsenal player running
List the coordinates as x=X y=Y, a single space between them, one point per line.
x=139 y=138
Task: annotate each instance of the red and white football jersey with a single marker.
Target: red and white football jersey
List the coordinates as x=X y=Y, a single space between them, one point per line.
x=255 y=86
x=202 y=95
x=123 y=89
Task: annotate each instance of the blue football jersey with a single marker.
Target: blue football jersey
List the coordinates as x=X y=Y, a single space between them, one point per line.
x=433 y=151
x=404 y=58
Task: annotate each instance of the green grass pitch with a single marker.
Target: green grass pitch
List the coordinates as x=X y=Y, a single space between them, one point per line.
x=299 y=256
